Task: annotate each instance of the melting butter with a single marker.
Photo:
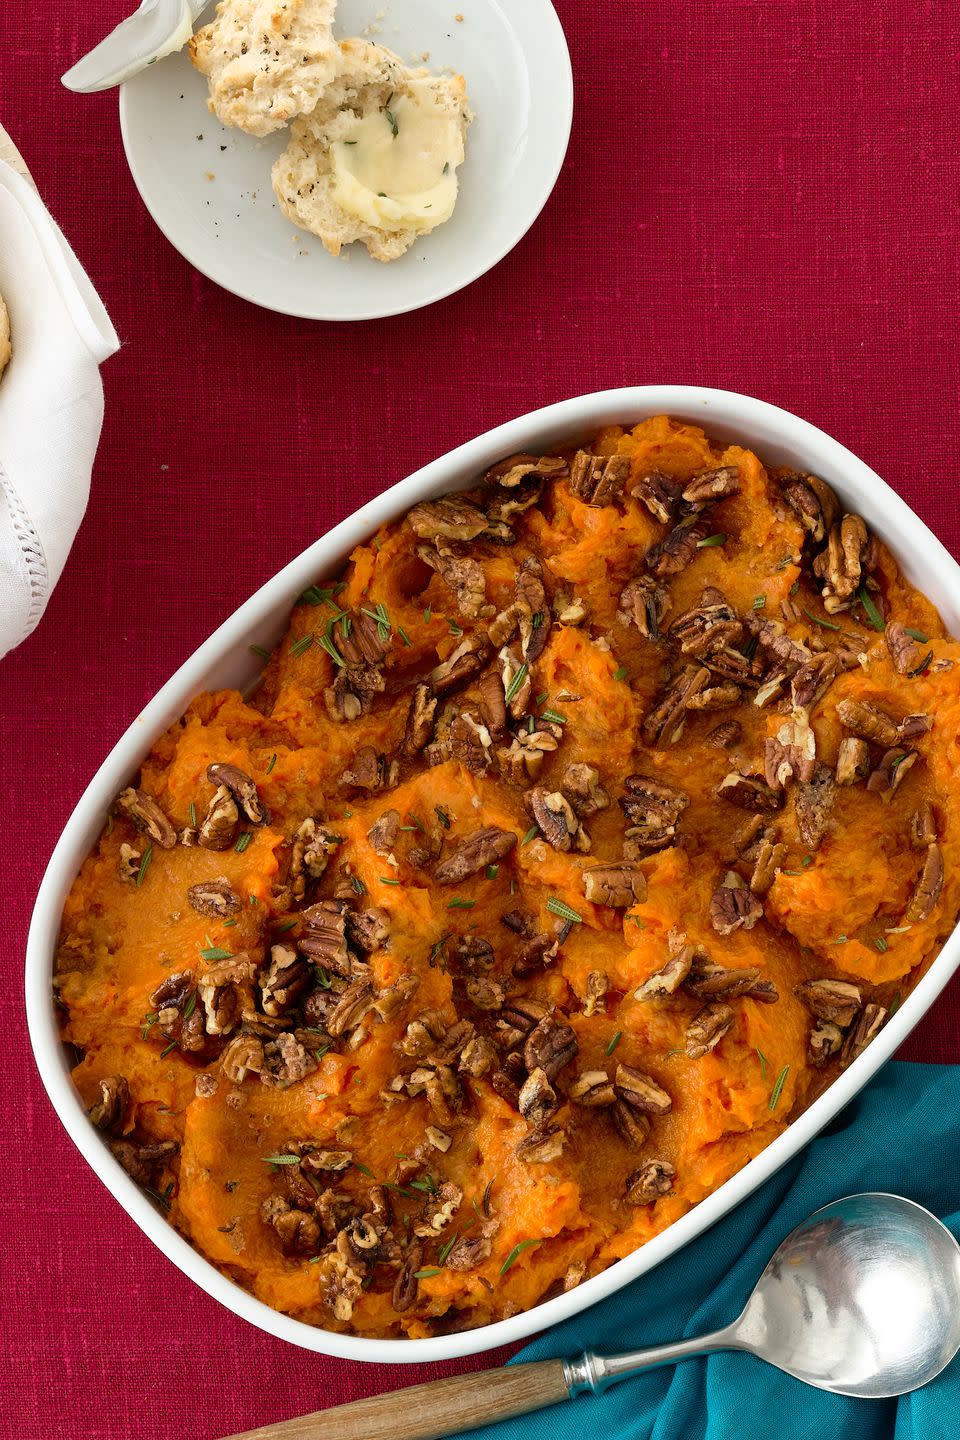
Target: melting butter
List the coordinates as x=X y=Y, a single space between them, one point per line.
x=397 y=167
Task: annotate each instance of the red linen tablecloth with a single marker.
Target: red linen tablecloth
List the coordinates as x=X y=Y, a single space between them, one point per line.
x=759 y=194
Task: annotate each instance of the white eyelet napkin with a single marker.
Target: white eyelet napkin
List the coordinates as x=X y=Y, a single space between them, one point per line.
x=51 y=401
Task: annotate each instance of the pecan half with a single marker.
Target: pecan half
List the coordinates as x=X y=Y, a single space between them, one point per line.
x=836 y=1001
x=367 y=930
x=868 y=721
x=677 y=549
x=653 y=810
x=361 y=639
x=616 y=886
x=351 y=1007
x=733 y=905
x=866 y=1027
x=550 y=1045
x=142 y=1162
x=214 y=897
x=581 y=785
x=632 y=1125
x=419 y=723
x=284 y=980
x=406 y=1286
x=849 y=552
x=711 y=625
x=791 y=752
x=554 y=814
x=926 y=895
x=825 y=1041
x=467 y=660
x=353 y=692
x=297 y=1231
x=811 y=682
x=598 y=479
x=707 y=1029
x=667 y=980
x=477 y=1056
x=641 y=1091
x=768 y=864
x=382 y=834
x=853 y=760
x=651 y=1182
x=148 y=817
x=244 y=1053
x=324 y=936
x=663 y=725
x=725 y=735
x=904 y=651
x=109 y=1112
x=241 y=787
x=708 y=486
x=219 y=827
x=748 y=793
x=538 y=1099
x=923 y=826
x=893 y=768
x=469 y=1252
x=660 y=494
x=460 y=573
x=449 y=518
x=713 y=982
x=484 y=847
x=492 y=704
x=483 y=993
x=312 y=848
x=516 y=680
x=598 y=984
x=811 y=500
x=541 y=1145
x=226 y=989
x=370 y=771
x=643 y=603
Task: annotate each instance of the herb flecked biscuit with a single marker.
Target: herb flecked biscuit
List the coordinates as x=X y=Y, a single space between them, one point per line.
x=6 y=350
x=371 y=79
x=266 y=62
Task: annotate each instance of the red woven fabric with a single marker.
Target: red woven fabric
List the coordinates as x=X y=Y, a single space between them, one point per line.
x=757 y=196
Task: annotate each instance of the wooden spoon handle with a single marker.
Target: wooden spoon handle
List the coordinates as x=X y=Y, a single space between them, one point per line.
x=431 y=1411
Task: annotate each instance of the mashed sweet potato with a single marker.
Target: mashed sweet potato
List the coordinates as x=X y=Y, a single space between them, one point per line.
x=570 y=842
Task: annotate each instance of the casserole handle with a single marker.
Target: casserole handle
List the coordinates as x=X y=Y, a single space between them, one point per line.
x=431 y=1411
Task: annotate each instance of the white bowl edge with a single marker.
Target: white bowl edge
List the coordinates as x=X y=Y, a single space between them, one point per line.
x=225 y=660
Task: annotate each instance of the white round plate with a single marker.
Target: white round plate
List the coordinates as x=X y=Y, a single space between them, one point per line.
x=208 y=187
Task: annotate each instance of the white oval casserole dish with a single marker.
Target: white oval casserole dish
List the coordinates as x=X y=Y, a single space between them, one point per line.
x=225 y=660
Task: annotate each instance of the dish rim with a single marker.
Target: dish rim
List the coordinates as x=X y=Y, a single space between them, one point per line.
x=765 y=428
x=547 y=179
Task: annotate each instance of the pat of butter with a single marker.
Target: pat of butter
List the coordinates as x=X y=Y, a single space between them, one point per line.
x=397 y=167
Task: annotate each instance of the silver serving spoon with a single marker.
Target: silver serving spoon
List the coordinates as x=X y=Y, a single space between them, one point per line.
x=862 y=1299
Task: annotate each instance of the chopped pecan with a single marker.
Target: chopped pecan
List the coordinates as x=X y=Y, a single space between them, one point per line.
x=225 y=989
x=534 y=617
x=668 y=979
x=911 y=727
x=521 y=922
x=312 y=848
x=707 y=1029
x=284 y=981
x=650 y=1182
x=467 y=660
x=298 y=1232
x=616 y=886
x=768 y=864
x=439 y=1139
x=469 y=1252
x=542 y=1145
x=474 y=955
x=516 y=680
x=725 y=735
x=853 y=760
x=128 y=863
x=477 y=1056
x=523 y=761
x=712 y=982
x=406 y=1286
x=597 y=986
x=593 y=1088
x=825 y=1041
x=792 y=752
x=537 y=1099
x=389 y=1002
x=903 y=649
x=733 y=905
x=677 y=549
x=214 y=897
x=663 y=724
x=748 y=793
x=849 y=552
x=598 y=479
x=660 y=494
x=219 y=827
x=706 y=629
x=554 y=814
x=245 y=1052
x=241 y=787
x=492 y=705
x=419 y=724
x=142 y=1162
x=367 y=929
x=285 y=1062
x=484 y=847
x=926 y=895
x=483 y=993
x=355 y=1002
x=449 y=518
x=653 y=810
x=515 y=469
x=641 y=1091
x=550 y=1045
x=581 y=785
x=173 y=992
x=813 y=803
x=866 y=1027
x=109 y=1112
x=324 y=936
x=461 y=573
x=353 y=692
x=811 y=500
x=382 y=834
x=834 y=1000
x=148 y=817
x=632 y=1125
x=773 y=640
x=708 y=486
x=340 y=1283
x=569 y=610
x=536 y=954
x=370 y=771
x=643 y=603
x=923 y=826
x=810 y=683
x=892 y=769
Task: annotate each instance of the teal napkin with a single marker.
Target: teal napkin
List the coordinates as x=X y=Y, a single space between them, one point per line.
x=901 y=1134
